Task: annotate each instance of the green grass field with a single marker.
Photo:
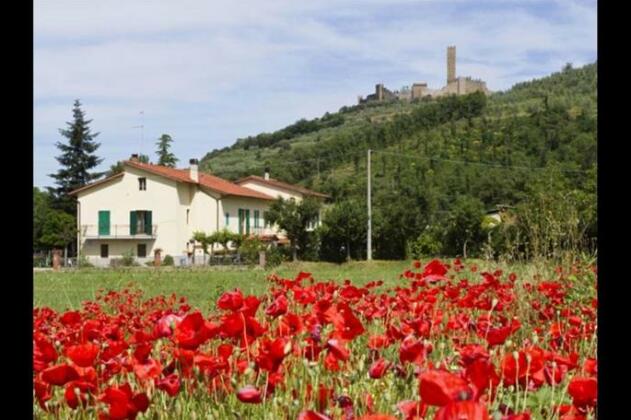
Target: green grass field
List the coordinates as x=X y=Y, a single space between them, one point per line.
x=68 y=289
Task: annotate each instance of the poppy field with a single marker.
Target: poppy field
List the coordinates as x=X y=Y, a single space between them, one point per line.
x=444 y=340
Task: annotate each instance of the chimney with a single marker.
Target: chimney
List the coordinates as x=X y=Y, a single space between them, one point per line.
x=193 y=171
x=134 y=157
x=266 y=174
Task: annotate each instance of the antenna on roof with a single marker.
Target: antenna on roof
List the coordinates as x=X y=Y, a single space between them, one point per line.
x=142 y=130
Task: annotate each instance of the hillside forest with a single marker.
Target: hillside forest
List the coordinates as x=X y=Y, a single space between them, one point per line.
x=439 y=169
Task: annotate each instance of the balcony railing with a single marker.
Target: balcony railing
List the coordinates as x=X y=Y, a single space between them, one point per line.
x=262 y=231
x=116 y=232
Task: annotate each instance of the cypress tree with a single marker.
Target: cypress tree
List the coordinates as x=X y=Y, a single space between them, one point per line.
x=77 y=160
x=165 y=157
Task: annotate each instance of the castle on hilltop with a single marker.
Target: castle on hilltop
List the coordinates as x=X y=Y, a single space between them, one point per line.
x=455 y=86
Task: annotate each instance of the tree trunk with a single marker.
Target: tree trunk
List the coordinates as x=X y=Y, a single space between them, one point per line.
x=66 y=256
x=294 y=251
x=464 y=250
x=348 y=252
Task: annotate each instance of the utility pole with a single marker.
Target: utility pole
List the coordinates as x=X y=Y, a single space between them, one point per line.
x=369 y=236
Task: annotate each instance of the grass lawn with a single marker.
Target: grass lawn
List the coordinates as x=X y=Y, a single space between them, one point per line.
x=67 y=289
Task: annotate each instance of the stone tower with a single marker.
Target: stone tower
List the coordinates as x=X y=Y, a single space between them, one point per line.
x=451 y=64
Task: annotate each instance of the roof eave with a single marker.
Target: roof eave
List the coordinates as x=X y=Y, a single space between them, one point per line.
x=94 y=184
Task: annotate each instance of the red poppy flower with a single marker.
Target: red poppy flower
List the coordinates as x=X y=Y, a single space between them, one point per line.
x=149 y=369
x=60 y=374
x=249 y=394
x=584 y=391
x=272 y=353
x=83 y=354
x=337 y=348
x=378 y=368
x=482 y=374
x=290 y=324
x=278 y=307
x=70 y=394
x=194 y=331
x=434 y=268
x=170 y=384
x=469 y=410
x=377 y=417
x=412 y=409
x=42 y=392
x=70 y=318
x=166 y=325
x=376 y=342
x=122 y=404
x=412 y=350
x=43 y=353
x=439 y=388
x=231 y=301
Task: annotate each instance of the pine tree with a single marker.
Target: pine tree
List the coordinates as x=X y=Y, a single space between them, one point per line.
x=165 y=157
x=77 y=160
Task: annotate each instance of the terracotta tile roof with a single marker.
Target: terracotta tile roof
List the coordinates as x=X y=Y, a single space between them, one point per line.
x=209 y=181
x=182 y=175
x=280 y=184
x=94 y=184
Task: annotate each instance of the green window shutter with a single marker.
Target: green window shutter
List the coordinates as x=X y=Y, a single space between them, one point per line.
x=133 y=222
x=240 y=221
x=104 y=222
x=148 y=228
x=247 y=221
x=256 y=218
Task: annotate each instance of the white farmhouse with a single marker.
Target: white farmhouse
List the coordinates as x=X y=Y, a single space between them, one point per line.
x=148 y=207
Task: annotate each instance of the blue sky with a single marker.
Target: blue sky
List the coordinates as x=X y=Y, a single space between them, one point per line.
x=209 y=72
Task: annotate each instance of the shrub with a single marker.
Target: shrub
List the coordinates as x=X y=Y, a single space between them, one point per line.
x=128 y=259
x=428 y=243
x=249 y=250
x=168 y=260
x=274 y=257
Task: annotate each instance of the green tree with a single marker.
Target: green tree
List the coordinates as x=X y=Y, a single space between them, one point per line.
x=115 y=169
x=344 y=226
x=41 y=208
x=77 y=160
x=58 y=230
x=165 y=157
x=463 y=227
x=294 y=218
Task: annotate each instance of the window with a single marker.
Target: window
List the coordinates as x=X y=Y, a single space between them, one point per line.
x=142 y=250
x=105 y=251
x=244 y=221
x=142 y=184
x=227 y=219
x=140 y=222
x=188 y=212
x=256 y=218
